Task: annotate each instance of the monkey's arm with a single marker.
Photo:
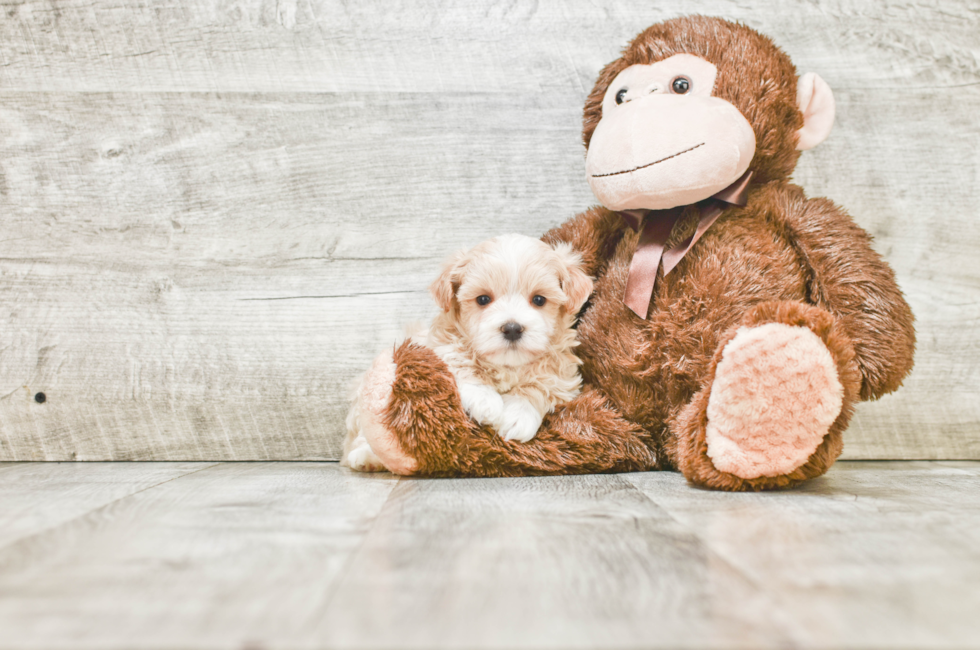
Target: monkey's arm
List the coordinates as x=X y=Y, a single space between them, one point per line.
x=853 y=282
x=412 y=419
x=592 y=233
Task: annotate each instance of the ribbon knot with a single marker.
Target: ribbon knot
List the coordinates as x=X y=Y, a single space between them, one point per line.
x=654 y=227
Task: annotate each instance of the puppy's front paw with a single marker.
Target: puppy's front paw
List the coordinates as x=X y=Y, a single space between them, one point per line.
x=520 y=421
x=481 y=403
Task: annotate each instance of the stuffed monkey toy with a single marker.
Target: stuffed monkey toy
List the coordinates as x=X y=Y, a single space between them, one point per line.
x=734 y=323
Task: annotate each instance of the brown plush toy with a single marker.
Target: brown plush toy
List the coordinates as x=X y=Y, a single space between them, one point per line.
x=734 y=323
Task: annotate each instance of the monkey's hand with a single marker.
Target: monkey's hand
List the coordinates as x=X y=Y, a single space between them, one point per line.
x=415 y=422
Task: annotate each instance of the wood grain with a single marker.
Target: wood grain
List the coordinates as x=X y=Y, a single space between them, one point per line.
x=39 y=497
x=227 y=557
x=539 y=563
x=215 y=213
x=210 y=290
x=441 y=47
x=310 y=555
x=872 y=555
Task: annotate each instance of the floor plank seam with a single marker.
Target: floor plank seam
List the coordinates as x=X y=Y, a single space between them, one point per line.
x=351 y=560
x=788 y=628
x=87 y=513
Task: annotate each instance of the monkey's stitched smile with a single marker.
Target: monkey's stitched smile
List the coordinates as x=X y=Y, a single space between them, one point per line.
x=627 y=171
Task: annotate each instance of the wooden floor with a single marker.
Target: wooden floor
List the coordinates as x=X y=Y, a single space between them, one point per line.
x=303 y=555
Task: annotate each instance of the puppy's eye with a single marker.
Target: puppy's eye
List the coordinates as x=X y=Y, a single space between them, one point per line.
x=483 y=300
x=539 y=301
x=621 y=95
x=681 y=85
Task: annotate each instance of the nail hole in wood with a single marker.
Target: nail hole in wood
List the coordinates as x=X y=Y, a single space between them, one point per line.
x=40 y=398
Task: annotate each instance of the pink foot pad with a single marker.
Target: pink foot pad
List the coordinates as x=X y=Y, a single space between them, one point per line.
x=775 y=395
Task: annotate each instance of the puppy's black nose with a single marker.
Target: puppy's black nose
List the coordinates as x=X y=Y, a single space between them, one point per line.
x=512 y=331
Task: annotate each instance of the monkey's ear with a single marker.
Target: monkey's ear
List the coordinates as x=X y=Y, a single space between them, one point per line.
x=574 y=282
x=816 y=102
x=445 y=286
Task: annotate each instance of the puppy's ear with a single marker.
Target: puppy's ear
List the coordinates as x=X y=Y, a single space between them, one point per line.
x=445 y=286
x=574 y=282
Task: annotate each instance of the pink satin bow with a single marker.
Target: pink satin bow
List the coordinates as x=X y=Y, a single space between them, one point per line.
x=656 y=226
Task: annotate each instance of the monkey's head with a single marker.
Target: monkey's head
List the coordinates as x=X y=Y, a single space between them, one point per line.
x=690 y=106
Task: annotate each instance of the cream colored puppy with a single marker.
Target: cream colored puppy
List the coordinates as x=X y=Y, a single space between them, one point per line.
x=505 y=331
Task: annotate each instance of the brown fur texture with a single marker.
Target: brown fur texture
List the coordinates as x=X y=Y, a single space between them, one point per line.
x=782 y=258
x=753 y=74
x=584 y=436
x=688 y=448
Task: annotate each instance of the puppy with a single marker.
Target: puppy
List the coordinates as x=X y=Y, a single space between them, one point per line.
x=505 y=331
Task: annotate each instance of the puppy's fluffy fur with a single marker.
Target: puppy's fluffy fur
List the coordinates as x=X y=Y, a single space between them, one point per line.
x=505 y=331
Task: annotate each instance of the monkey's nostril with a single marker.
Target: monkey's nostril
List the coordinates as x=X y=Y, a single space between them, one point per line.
x=512 y=330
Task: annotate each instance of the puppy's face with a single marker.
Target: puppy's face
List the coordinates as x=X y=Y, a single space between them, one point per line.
x=508 y=296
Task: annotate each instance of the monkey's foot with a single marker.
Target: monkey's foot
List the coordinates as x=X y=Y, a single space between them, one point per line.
x=775 y=396
x=774 y=403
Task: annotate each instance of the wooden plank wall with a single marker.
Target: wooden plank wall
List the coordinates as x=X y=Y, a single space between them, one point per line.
x=215 y=212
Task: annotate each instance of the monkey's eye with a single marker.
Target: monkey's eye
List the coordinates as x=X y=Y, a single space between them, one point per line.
x=681 y=85
x=621 y=95
x=483 y=300
x=539 y=301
